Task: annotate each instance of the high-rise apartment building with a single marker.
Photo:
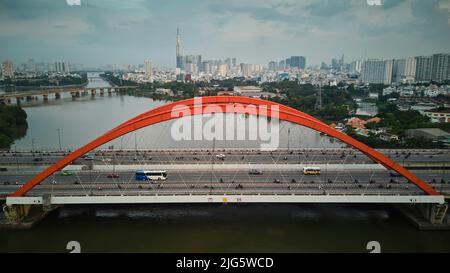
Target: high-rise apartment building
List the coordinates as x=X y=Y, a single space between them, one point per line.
x=273 y=66
x=8 y=69
x=222 y=70
x=356 y=66
x=298 y=62
x=440 y=70
x=423 y=68
x=398 y=70
x=148 y=68
x=61 y=67
x=410 y=69
x=377 y=71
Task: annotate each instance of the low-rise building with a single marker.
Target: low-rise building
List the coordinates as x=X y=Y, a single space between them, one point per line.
x=164 y=91
x=247 y=89
x=438 y=115
x=434 y=134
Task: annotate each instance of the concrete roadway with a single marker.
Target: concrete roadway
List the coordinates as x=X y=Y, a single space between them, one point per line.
x=195 y=182
x=309 y=156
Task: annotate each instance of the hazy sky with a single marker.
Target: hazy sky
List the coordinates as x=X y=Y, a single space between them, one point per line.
x=102 y=32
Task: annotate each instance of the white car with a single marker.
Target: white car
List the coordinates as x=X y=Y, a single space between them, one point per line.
x=220 y=156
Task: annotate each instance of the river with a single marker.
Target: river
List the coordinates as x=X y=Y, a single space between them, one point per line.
x=81 y=120
x=197 y=228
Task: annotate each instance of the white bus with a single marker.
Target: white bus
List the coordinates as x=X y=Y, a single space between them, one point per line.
x=311 y=170
x=142 y=175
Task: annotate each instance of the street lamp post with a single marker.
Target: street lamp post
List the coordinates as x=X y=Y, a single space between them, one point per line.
x=59 y=138
x=289 y=137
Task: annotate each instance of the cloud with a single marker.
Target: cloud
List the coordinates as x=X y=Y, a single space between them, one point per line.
x=117 y=31
x=325 y=8
x=388 y=4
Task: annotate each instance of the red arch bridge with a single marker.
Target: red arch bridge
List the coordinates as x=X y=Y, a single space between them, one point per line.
x=394 y=183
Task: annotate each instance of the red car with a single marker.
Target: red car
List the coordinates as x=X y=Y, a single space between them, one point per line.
x=113 y=175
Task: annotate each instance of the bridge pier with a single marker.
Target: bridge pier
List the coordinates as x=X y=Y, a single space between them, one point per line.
x=57 y=96
x=426 y=216
x=15 y=214
x=109 y=91
x=18 y=100
x=93 y=91
x=434 y=213
x=75 y=94
x=102 y=91
x=45 y=97
x=26 y=216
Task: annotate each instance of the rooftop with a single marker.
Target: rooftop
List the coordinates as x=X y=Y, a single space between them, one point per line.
x=432 y=131
x=439 y=110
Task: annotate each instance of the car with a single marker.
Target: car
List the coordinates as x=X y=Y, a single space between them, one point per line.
x=37 y=159
x=113 y=175
x=66 y=173
x=88 y=157
x=220 y=156
x=254 y=172
x=276 y=181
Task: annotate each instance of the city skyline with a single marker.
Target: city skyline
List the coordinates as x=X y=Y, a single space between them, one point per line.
x=101 y=33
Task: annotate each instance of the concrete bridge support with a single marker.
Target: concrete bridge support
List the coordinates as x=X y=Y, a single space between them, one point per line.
x=15 y=214
x=57 y=96
x=45 y=97
x=75 y=94
x=93 y=91
x=434 y=213
x=26 y=216
x=102 y=91
x=19 y=100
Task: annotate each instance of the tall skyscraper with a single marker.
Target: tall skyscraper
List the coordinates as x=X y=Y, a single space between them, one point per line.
x=179 y=58
x=8 y=69
x=440 y=70
x=377 y=71
x=148 y=68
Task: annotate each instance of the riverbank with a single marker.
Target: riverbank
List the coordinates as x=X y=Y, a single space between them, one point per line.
x=13 y=124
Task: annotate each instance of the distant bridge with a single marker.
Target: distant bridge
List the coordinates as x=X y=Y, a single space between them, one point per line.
x=74 y=91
